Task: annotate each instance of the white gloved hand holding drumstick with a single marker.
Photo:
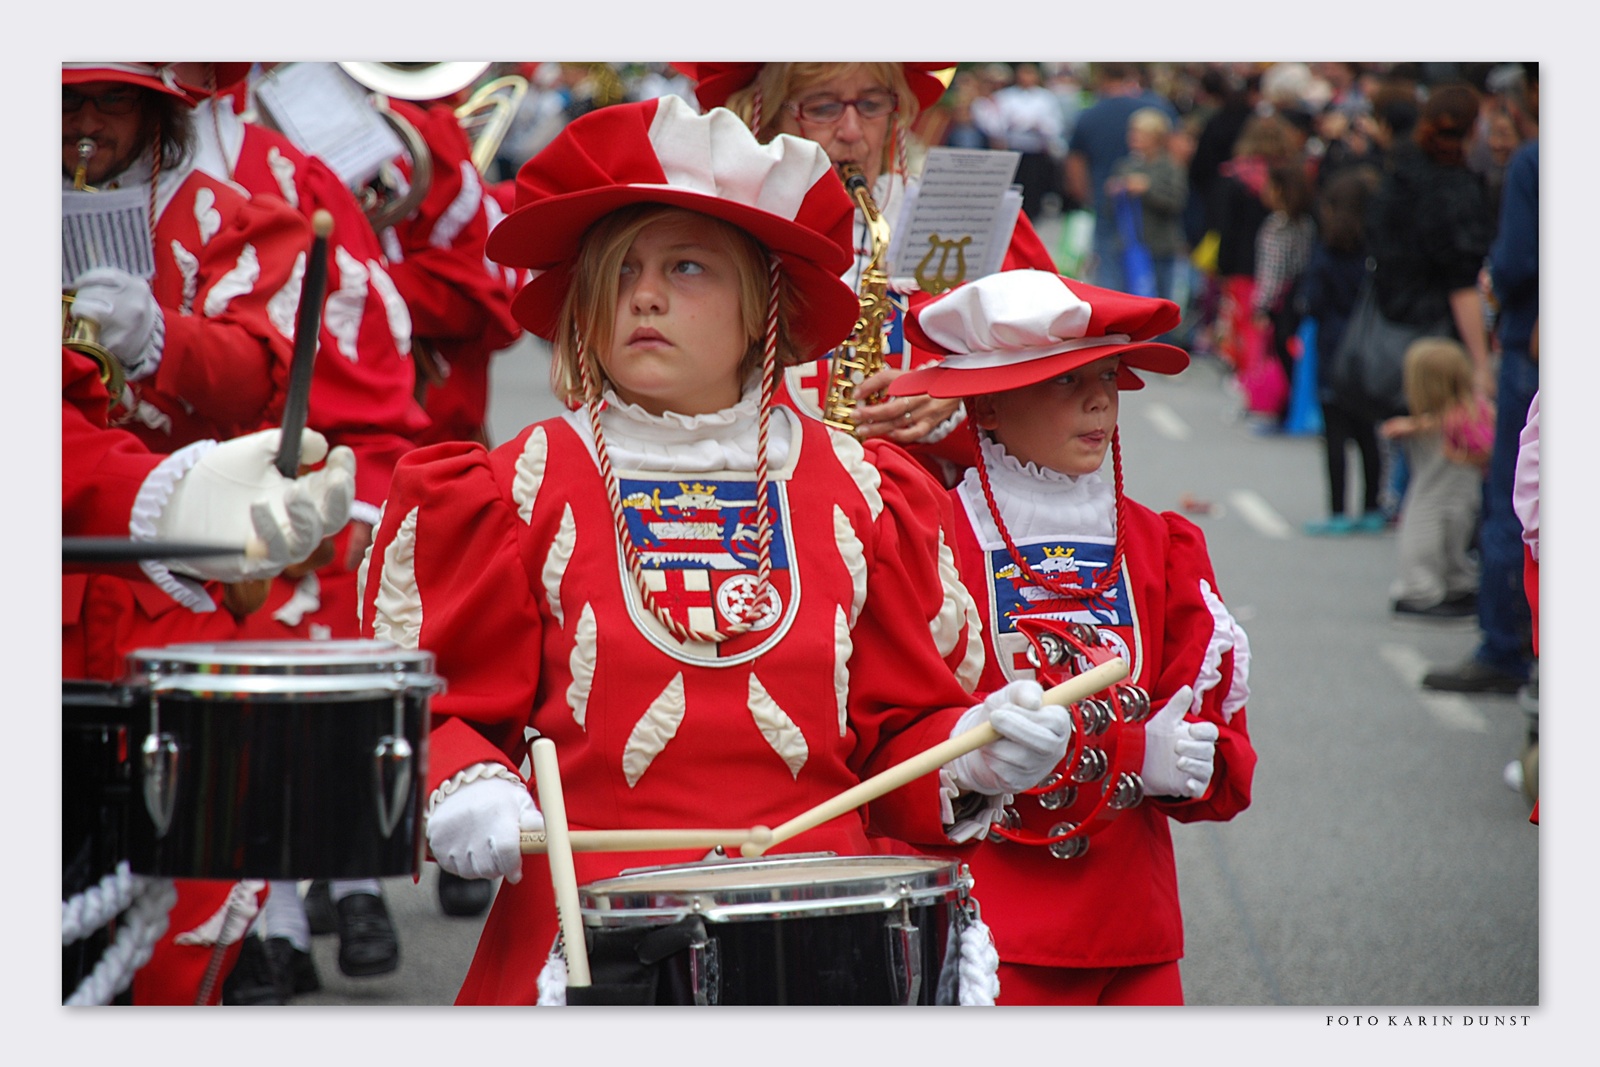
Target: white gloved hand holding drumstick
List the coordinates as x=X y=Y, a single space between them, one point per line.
x=233 y=495
x=1033 y=739
x=476 y=831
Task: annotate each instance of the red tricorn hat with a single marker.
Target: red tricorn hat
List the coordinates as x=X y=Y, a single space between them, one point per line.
x=1020 y=327
x=155 y=76
x=784 y=194
x=715 y=82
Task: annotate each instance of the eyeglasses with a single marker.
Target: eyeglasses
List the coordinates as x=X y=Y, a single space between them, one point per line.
x=119 y=101
x=825 y=110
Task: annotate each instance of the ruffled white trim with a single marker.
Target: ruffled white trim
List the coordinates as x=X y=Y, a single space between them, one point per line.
x=461 y=211
x=397 y=610
x=581 y=661
x=283 y=306
x=230 y=921
x=143 y=524
x=189 y=271
x=240 y=279
x=347 y=305
x=843 y=648
x=367 y=512
x=528 y=473
x=945 y=428
x=555 y=563
x=658 y=725
x=723 y=440
x=853 y=458
x=394 y=304
x=1226 y=635
x=854 y=558
x=466 y=776
x=779 y=729
x=361 y=574
x=282 y=169
x=306 y=598
x=1037 y=501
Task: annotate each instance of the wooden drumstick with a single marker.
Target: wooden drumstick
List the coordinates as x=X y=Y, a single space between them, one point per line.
x=563 y=875
x=1069 y=691
x=535 y=841
x=308 y=324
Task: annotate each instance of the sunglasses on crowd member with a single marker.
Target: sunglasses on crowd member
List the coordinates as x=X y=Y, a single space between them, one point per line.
x=119 y=101
x=825 y=109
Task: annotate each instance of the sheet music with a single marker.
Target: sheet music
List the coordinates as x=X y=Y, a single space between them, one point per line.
x=106 y=229
x=956 y=226
x=325 y=112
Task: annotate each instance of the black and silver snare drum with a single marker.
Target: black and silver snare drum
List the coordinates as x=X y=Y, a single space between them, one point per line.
x=282 y=759
x=808 y=929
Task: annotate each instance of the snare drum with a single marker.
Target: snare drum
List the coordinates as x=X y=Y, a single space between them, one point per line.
x=281 y=759
x=810 y=929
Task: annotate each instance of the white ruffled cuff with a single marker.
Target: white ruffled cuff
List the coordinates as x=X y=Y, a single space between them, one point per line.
x=466 y=776
x=973 y=825
x=143 y=525
x=361 y=511
x=945 y=428
x=150 y=355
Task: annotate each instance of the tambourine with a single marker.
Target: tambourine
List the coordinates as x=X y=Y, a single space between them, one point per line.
x=1099 y=776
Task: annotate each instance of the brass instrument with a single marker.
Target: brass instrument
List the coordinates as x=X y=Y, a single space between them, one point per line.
x=861 y=356
x=487 y=114
x=382 y=203
x=83 y=337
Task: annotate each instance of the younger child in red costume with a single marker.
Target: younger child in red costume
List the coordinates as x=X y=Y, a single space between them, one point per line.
x=1042 y=538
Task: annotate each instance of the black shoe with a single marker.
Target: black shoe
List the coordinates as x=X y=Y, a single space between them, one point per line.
x=295 y=971
x=1472 y=677
x=367 y=943
x=1445 y=609
x=464 y=896
x=319 y=909
x=253 y=979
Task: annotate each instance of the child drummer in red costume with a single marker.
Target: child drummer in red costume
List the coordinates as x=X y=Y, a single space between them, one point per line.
x=1045 y=541
x=721 y=613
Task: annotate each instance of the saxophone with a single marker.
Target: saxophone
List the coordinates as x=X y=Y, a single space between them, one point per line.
x=861 y=355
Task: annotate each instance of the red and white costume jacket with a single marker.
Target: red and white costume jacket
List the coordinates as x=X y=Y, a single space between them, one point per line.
x=460 y=301
x=227 y=278
x=943 y=451
x=228 y=271
x=1116 y=905
x=102 y=468
x=505 y=564
x=363 y=384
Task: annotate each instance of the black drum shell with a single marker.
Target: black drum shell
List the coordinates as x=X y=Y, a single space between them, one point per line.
x=284 y=783
x=805 y=953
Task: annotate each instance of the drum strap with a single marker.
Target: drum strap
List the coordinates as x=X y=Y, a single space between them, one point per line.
x=622 y=963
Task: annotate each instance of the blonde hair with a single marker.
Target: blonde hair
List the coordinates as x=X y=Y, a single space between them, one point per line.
x=776 y=83
x=589 y=309
x=1438 y=375
x=1151 y=120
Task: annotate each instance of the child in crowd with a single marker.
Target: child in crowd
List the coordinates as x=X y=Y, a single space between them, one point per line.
x=1447 y=438
x=1150 y=175
x=719 y=611
x=1041 y=361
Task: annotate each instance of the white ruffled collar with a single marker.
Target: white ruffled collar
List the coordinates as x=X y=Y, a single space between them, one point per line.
x=1037 y=502
x=724 y=440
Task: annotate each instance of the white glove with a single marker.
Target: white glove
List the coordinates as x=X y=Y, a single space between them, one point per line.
x=128 y=316
x=476 y=831
x=235 y=496
x=1033 y=738
x=1179 y=755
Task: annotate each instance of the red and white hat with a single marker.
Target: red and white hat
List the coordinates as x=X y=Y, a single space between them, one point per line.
x=225 y=77
x=1020 y=327
x=156 y=76
x=784 y=194
x=715 y=82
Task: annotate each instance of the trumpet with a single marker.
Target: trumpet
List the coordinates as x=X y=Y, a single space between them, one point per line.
x=83 y=336
x=86 y=150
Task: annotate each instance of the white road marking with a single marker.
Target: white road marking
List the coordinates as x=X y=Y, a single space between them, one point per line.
x=1255 y=510
x=1167 y=422
x=1450 y=709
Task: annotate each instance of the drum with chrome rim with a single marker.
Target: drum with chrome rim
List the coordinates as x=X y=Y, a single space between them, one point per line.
x=281 y=759
x=805 y=929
